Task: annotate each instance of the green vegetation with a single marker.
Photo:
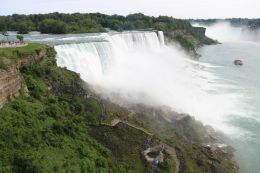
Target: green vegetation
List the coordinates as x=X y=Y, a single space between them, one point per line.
x=47 y=132
x=187 y=136
x=53 y=26
x=11 y=55
x=2 y=64
x=168 y=165
x=126 y=144
x=59 y=23
x=189 y=39
x=57 y=127
x=15 y=53
x=252 y=23
x=184 y=42
x=20 y=38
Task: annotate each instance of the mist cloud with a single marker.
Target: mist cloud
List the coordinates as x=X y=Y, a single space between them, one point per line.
x=224 y=31
x=133 y=68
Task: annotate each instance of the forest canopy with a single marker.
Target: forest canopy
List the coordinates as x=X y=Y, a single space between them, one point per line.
x=60 y=23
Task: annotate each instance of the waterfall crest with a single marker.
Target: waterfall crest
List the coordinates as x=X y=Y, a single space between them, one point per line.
x=92 y=59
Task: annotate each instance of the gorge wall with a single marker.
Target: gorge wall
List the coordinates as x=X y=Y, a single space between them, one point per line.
x=11 y=80
x=189 y=39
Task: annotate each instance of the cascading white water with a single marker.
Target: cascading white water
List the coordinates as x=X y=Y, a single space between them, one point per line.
x=161 y=37
x=138 y=68
x=93 y=59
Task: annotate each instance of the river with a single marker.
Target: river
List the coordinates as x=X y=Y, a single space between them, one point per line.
x=243 y=82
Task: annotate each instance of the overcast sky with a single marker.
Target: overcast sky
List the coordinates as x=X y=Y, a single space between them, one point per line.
x=175 y=8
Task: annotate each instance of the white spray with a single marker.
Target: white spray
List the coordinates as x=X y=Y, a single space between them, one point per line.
x=224 y=31
x=139 y=68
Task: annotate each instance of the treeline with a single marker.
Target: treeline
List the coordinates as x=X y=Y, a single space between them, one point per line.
x=60 y=23
x=252 y=23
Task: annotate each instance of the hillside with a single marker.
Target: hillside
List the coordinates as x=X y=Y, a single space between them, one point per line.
x=55 y=123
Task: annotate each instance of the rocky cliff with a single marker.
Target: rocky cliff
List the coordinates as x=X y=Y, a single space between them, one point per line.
x=190 y=39
x=11 y=80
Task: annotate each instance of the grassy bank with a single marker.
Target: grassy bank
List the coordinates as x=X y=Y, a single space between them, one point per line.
x=12 y=55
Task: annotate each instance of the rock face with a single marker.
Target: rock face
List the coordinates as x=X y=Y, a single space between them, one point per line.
x=189 y=39
x=11 y=80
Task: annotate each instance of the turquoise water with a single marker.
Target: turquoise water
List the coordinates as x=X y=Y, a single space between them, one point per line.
x=244 y=82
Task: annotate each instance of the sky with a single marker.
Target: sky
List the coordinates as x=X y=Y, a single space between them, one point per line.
x=176 y=8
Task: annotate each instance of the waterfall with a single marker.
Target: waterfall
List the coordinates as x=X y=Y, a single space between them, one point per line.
x=136 y=67
x=92 y=59
x=161 y=37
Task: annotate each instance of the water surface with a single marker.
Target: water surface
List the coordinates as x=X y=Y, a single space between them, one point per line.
x=244 y=82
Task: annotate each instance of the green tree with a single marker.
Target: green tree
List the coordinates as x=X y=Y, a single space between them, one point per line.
x=60 y=23
x=23 y=28
x=90 y=25
x=53 y=26
x=2 y=24
x=116 y=25
x=20 y=38
x=161 y=26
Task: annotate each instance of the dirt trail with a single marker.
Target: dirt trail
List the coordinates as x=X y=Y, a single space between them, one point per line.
x=117 y=121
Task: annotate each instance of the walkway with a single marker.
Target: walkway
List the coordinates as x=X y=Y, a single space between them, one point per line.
x=6 y=45
x=170 y=150
x=116 y=121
